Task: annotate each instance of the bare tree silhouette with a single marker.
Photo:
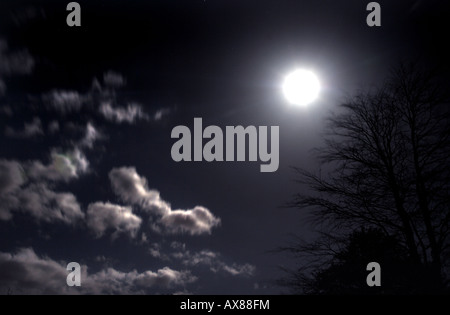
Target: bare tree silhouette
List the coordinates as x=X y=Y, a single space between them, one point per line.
x=389 y=153
x=345 y=272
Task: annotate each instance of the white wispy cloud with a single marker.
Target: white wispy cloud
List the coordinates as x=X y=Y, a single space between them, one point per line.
x=62 y=166
x=128 y=114
x=42 y=203
x=12 y=177
x=132 y=188
x=46 y=205
x=13 y=63
x=107 y=216
x=193 y=221
x=213 y=261
x=64 y=101
x=112 y=281
x=91 y=135
x=238 y=270
x=102 y=97
x=155 y=251
x=24 y=272
x=160 y=113
x=17 y=194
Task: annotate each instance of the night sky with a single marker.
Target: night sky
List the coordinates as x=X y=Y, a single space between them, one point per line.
x=86 y=115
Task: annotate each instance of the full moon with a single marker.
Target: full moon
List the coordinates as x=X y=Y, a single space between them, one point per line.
x=301 y=87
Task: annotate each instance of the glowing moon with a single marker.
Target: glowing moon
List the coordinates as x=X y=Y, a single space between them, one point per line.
x=301 y=87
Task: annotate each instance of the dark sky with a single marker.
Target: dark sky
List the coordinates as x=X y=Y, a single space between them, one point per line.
x=86 y=119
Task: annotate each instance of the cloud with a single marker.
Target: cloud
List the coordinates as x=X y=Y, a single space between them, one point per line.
x=155 y=252
x=47 y=205
x=111 y=281
x=63 y=166
x=7 y=203
x=178 y=245
x=64 y=101
x=36 y=199
x=165 y=277
x=14 y=63
x=128 y=114
x=213 y=261
x=195 y=221
x=184 y=292
x=132 y=188
x=24 y=272
x=237 y=270
x=11 y=178
x=30 y=129
x=113 y=79
x=107 y=216
x=204 y=257
x=91 y=135
x=144 y=238
x=160 y=113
